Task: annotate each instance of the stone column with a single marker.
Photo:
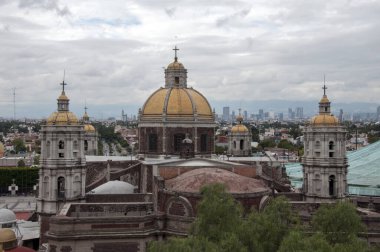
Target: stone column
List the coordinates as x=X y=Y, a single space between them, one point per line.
x=195 y=140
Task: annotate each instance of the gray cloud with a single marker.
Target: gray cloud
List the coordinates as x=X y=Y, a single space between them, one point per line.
x=50 y=5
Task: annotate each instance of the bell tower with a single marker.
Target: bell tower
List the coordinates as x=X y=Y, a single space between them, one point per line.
x=62 y=174
x=324 y=161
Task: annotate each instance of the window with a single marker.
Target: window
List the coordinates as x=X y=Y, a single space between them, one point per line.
x=331 y=154
x=332 y=185
x=331 y=145
x=317 y=144
x=61 y=145
x=61 y=187
x=204 y=143
x=152 y=142
x=241 y=144
x=234 y=144
x=61 y=155
x=48 y=149
x=85 y=145
x=176 y=80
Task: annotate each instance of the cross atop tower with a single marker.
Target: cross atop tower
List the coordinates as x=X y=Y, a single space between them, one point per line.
x=63 y=86
x=85 y=108
x=175 y=49
x=324 y=85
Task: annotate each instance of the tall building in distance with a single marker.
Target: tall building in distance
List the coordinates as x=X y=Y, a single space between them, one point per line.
x=226 y=114
x=291 y=114
x=233 y=116
x=245 y=115
x=261 y=114
x=299 y=112
x=341 y=115
x=378 y=113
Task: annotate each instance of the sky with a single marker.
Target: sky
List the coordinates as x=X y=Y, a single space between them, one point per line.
x=114 y=52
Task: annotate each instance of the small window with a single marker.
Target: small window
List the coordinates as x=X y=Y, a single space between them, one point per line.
x=61 y=155
x=176 y=80
x=331 y=145
x=241 y=144
x=75 y=144
x=234 y=144
x=204 y=143
x=331 y=154
x=85 y=145
x=75 y=154
x=61 y=145
x=317 y=144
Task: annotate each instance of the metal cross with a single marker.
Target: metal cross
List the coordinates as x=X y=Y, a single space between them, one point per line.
x=63 y=85
x=324 y=89
x=175 y=52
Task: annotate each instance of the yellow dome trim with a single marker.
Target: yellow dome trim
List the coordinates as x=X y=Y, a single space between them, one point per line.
x=179 y=103
x=324 y=99
x=203 y=107
x=7 y=235
x=155 y=103
x=63 y=96
x=62 y=118
x=240 y=128
x=89 y=128
x=323 y=120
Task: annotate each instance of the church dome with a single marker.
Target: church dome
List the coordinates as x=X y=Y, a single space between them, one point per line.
x=7 y=235
x=175 y=65
x=62 y=118
x=89 y=128
x=177 y=102
x=7 y=216
x=192 y=181
x=114 y=187
x=324 y=120
x=240 y=128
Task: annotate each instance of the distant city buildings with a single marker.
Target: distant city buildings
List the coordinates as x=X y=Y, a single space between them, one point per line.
x=226 y=113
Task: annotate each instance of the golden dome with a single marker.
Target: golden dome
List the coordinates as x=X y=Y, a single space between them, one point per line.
x=175 y=65
x=324 y=99
x=7 y=235
x=177 y=102
x=89 y=128
x=324 y=120
x=62 y=118
x=240 y=128
x=63 y=96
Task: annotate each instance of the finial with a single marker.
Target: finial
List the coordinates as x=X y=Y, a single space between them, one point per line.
x=63 y=82
x=175 y=53
x=324 y=85
x=239 y=111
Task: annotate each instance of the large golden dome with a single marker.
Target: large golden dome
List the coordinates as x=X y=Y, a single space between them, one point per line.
x=62 y=118
x=177 y=102
x=7 y=235
x=324 y=120
x=240 y=128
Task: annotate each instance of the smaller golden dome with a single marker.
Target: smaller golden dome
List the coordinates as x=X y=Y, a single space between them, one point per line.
x=62 y=118
x=89 y=128
x=7 y=235
x=324 y=99
x=324 y=120
x=175 y=65
x=85 y=117
x=239 y=118
x=240 y=128
x=63 y=96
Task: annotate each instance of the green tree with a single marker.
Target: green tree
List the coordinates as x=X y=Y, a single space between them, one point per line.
x=296 y=241
x=267 y=143
x=18 y=145
x=339 y=222
x=21 y=163
x=264 y=231
x=285 y=144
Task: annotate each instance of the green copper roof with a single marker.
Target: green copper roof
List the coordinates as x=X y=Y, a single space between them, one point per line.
x=363 y=171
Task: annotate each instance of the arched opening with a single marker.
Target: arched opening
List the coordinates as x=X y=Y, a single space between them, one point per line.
x=241 y=144
x=85 y=145
x=48 y=149
x=61 y=187
x=331 y=145
x=332 y=185
x=204 y=144
x=152 y=142
x=177 y=141
x=61 y=145
x=234 y=144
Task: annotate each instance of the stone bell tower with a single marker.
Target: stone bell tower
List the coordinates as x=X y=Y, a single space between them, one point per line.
x=324 y=161
x=62 y=173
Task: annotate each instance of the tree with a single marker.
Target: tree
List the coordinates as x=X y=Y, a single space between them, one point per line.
x=285 y=144
x=339 y=222
x=18 y=145
x=297 y=242
x=267 y=143
x=264 y=231
x=21 y=163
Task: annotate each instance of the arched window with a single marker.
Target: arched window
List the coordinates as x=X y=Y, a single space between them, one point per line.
x=48 y=149
x=317 y=144
x=331 y=145
x=85 y=145
x=46 y=187
x=152 y=142
x=61 y=187
x=61 y=145
x=332 y=185
x=241 y=144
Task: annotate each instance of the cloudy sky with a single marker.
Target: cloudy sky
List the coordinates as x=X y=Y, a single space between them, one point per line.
x=114 y=51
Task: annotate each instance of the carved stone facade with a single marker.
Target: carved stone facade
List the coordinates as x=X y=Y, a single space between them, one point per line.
x=62 y=173
x=324 y=161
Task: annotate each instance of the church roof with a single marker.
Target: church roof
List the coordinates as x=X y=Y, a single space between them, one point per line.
x=192 y=181
x=114 y=187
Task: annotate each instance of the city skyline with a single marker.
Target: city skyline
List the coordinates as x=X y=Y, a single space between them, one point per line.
x=235 y=51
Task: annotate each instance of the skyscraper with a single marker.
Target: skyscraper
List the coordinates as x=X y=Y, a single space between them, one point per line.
x=226 y=113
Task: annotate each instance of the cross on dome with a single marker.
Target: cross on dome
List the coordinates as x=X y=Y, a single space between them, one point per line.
x=175 y=49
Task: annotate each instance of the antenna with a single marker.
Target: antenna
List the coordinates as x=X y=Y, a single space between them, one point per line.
x=14 y=103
